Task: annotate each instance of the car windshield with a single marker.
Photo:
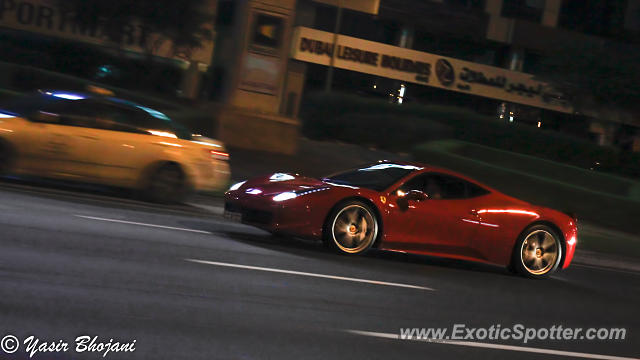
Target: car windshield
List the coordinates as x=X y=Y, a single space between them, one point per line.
x=26 y=105
x=376 y=177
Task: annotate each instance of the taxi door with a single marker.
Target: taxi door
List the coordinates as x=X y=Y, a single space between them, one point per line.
x=120 y=146
x=77 y=132
x=53 y=146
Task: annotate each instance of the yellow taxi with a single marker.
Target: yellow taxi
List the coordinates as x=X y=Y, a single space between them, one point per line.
x=105 y=140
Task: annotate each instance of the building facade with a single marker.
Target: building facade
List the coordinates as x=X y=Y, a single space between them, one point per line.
x=268 y=54
x=481 y=54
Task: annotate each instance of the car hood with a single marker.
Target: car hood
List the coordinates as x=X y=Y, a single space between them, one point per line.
x=281 y=182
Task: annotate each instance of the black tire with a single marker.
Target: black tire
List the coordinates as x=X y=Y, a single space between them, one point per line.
x=538 y=252
x=361 y=230
x=167 y=185
x=277 y=235
x=6 y=158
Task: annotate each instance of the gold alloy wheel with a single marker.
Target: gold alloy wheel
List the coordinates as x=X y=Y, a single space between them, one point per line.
x=540 y=252
x=354 y=229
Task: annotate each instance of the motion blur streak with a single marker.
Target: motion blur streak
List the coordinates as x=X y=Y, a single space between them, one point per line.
x=508 y=211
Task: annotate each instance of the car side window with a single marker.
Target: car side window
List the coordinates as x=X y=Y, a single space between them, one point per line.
x=451 y=187
x=442 y=187
x=76 y=113
x=115 y=118
x=474 y=190
x=415 y=183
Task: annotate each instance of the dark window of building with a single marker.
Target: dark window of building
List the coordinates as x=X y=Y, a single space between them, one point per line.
x=532 y=63
x=226 y=12
x=458 y=47
x=530 y=10
x=358 y=24
x=596 y=17
x=325 y=18
x=466 y=4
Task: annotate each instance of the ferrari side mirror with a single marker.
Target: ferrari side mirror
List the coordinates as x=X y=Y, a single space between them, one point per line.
x=416 y=195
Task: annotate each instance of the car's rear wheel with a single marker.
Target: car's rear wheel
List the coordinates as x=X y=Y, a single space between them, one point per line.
x=352 y=228
x=167 y=185
x=538 y=252
x=6 y=156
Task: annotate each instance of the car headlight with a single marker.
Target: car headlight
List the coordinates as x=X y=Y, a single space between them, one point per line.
x=285 y=196
x=236 y=186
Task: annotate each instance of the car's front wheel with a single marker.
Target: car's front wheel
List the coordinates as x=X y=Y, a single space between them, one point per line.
x=538 y=252
x=352 y=228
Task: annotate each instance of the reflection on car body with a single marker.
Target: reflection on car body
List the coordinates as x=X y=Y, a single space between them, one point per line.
x=409 y=207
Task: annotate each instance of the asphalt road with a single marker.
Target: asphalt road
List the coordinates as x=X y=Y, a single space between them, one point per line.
x=74 y=265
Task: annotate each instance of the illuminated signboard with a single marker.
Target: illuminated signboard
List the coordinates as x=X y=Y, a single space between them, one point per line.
x=412 y=66
x=45 y=17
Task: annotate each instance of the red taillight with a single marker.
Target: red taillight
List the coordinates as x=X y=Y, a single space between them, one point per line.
x=218 y=155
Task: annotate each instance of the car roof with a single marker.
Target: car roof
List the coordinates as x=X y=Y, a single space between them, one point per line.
x=80 y=95
x=430 y=168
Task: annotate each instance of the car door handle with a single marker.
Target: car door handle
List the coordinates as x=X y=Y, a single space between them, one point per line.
x=474 y=212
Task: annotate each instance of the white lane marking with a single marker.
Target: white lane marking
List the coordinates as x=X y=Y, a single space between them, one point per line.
x=291 y=272
x=142 y=224
x=496 y=346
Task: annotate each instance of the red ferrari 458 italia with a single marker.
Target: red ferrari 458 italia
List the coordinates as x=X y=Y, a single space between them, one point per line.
x=409 y=207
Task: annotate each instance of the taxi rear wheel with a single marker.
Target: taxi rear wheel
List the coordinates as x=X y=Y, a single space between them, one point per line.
x=6 y=157
x=167 y=185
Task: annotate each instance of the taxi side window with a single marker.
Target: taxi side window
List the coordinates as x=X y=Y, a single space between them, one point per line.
x=78 y=113
x=115 y=118
x=129 y=120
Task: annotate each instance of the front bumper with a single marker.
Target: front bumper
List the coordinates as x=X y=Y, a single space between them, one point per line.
x=289 y=217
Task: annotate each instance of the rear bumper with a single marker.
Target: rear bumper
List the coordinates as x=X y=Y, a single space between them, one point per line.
x=211 y=176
